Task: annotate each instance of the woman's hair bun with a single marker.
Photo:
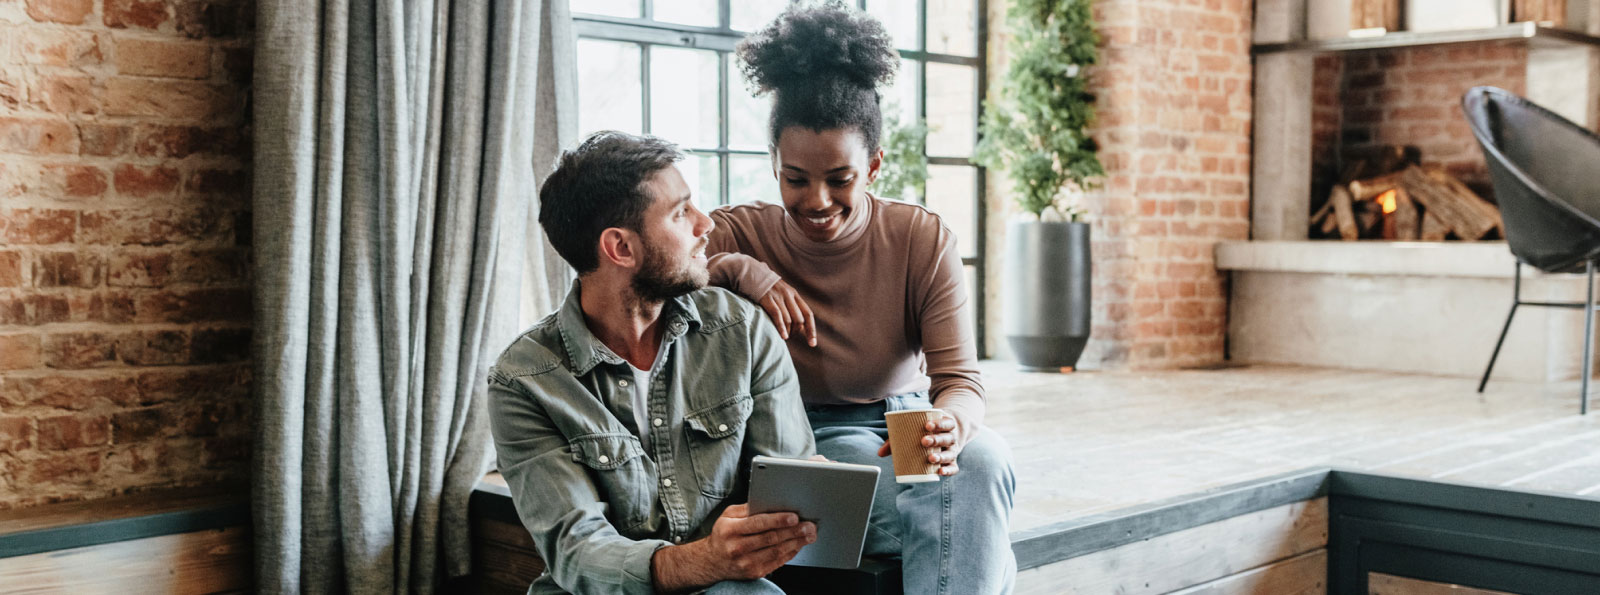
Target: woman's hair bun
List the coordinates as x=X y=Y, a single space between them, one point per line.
x=811 y=41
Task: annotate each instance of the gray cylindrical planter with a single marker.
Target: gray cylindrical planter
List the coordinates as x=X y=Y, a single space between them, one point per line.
x=1047 y=280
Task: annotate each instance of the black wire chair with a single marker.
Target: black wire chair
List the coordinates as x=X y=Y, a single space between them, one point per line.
x=1546 y=176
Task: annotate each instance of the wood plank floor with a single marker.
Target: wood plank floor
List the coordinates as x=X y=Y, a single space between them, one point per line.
x=1091 y=442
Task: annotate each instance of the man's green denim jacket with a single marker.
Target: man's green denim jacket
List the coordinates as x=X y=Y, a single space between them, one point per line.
x=597 y=500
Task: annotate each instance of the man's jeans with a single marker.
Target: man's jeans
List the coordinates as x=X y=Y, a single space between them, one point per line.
x=951 y=534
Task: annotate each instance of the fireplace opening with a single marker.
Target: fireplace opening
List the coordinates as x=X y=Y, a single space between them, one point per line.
x=1389 y=193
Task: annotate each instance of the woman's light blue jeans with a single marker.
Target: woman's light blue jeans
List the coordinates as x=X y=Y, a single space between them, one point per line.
x=952 y=535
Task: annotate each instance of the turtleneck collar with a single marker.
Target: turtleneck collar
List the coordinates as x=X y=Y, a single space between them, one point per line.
x=854 y=228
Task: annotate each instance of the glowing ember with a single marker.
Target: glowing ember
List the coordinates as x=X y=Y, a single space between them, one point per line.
x=1387 y=200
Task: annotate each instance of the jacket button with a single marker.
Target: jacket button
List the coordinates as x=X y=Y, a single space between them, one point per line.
x=722 y=427
x=622 y=383
x=656 y=422
x=666 y=482
x=604 y=459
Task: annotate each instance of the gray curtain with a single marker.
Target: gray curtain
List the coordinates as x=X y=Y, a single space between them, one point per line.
x=398 y=149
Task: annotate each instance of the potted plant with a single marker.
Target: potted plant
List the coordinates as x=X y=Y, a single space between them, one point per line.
x=1035 y=128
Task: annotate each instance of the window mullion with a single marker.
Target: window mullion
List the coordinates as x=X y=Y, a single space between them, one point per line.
x=644 y=87
x=723 y=82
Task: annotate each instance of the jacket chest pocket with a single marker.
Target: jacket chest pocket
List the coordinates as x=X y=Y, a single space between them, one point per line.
x=716 y=438
x=626 y=478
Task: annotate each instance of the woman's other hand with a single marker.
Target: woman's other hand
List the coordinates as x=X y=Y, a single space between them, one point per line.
x=790 y=313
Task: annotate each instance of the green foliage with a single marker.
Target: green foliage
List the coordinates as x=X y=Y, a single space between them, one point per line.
x=1036 y=127
x=905 y=163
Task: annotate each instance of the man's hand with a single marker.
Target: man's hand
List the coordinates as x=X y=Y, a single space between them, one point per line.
x=741 y=547
x=790 y=312
x=944 y=434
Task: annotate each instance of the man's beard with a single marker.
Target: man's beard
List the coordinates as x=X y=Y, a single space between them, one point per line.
x=656 y=282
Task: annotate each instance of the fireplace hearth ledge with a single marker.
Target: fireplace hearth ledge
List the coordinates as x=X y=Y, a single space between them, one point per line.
x=1371 y=257
x=1414 y=307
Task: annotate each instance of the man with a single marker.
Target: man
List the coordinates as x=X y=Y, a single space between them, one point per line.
x=625 y=422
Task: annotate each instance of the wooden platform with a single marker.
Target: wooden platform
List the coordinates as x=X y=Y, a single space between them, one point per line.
x=1089 y=442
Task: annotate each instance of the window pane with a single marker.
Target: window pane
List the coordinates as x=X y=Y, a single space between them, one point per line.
x=704 y=178
x=952 y=109
x=750 y=179
x=747 y=114
x=901 y=98
x=749 y=15
x=610 y=8
x=900 y=18
x=952 y=191
x=683 y=96
x=609 y=95
x=701 y=13
x=952 y=27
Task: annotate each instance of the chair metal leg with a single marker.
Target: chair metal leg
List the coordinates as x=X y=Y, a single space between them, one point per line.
x=1516 y=300
x=1588 y=338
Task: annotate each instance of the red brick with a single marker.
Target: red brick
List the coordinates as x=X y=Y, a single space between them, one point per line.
x=38 y=226
x=183 y=141
x=19 y=352
x=217 y=346
x=65 y=432
x=11 y=269
x=146 y=182
x=227 y=452
x=172 y=99
x=71 y=12
x=34 y=309
x=60 y=47
x=16 y=434
x=143 y=268
x=231 y=182
x=67 y=269
x=147 y=14
x=118 y=307
x=203 y=18
x=156 y=227
x=71 y=391
x=37 y=136
x=73 y=180
x=238 y=64
x=72 y=351
x=13 y=86
x=65 y=94
x=173 y=59
x=184 y=384
x=64 y=469
x=104 y=140
x=151 y=348
x=195 y=305
x=140 y=424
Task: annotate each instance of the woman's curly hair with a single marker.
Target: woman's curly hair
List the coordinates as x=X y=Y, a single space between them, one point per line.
x=824 y=64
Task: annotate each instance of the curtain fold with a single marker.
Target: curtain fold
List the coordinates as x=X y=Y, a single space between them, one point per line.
x=398 y=146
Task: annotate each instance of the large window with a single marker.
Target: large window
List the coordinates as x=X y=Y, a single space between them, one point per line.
x=666 y=67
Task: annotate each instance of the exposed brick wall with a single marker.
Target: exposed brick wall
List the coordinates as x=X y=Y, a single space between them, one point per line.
x=1327 y=122
x=1174 y=105
x=1412 y=96
x=124 y=246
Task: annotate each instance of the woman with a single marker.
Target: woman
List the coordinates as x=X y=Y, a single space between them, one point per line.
x=869 y=293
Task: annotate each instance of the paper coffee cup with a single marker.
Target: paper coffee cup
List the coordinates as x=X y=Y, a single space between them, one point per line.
x=906 y=429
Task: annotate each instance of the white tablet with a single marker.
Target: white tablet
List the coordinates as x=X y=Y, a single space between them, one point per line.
x=835 y=496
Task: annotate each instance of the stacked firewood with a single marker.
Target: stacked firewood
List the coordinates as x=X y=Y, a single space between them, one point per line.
x=1551 y=13
x=1406 y=201
x=1369 y=14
